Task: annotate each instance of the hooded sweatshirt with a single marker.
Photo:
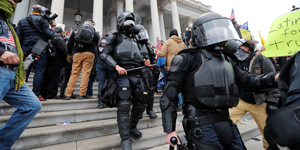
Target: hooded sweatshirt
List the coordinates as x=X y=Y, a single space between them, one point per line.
x=170 y=48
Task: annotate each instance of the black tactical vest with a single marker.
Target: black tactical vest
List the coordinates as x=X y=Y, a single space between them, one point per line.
x=127 y=51
x=213 y=82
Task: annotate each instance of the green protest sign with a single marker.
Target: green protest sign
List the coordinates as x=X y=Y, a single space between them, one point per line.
x=284 y=36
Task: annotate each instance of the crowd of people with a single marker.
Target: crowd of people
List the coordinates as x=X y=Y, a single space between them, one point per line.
x=213 y=75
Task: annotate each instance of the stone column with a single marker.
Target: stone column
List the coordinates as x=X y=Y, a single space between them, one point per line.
x=175 y=16
x=190 y=22
x=162 y=24
x=155 y=20
x=129 y=5
x=98 y=15
x=120 y=7
x=21 y=11
x=113 y=21
x=150 y=30
x=57 y=6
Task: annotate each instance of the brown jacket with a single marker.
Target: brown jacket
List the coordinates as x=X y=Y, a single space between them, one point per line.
x=170 y=48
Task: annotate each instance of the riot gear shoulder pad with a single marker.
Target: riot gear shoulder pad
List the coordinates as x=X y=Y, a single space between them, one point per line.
x=177 y=63
x=110 y=38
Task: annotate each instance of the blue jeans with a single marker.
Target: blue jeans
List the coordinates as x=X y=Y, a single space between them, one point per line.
x=89 y=91
x=26 y=102
x=39 y=67
x=103 y=72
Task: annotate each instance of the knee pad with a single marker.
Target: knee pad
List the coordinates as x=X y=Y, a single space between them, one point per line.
x=124 y=93
x=124 y=106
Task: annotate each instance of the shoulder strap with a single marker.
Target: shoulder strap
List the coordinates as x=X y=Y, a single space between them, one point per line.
x=256 y=58
x=29 y=19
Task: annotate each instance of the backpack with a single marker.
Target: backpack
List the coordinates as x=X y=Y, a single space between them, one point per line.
x=84 y=35
x=108 y=93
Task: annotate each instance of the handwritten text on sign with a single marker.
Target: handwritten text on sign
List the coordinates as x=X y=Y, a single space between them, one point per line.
x=284 y=36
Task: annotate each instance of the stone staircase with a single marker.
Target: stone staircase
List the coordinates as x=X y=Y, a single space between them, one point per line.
x=91 y=128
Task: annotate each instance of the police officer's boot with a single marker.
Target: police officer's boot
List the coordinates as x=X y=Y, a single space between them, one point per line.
x=136 y=112
x=150 y=111
x=126 y=144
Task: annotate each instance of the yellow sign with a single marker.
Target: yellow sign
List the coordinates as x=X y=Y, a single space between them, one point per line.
x=284 y=36
x=245 y=34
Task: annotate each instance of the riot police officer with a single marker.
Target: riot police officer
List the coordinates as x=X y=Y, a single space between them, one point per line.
x=206 y=79
x=282 y=125
x=147 y=53
x=121 y=53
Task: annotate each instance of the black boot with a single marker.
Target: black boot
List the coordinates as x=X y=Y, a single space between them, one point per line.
x=126 y=144
x=152 y=114
x=136 y=112
x=150 y=111
x=135 y=134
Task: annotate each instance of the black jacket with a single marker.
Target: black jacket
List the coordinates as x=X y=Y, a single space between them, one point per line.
x=60 y=50
x=260 y=66
x=27 y=36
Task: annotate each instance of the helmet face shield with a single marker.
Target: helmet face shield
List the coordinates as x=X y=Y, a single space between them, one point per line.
x=214 y=31
x=143 y=35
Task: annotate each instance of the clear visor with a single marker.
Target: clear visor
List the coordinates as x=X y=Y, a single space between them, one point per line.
x=143 y=35
x=215 y=31
x=128 y=23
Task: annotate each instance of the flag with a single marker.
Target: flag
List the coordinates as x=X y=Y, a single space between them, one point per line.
x=262 y=39
x=232 y=17
x=245 y=26
x=245 y=34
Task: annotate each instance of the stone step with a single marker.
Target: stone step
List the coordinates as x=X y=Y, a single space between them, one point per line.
x=52 y=135
x=151 y=137
x=55 y=105
x=247 y=131
x=60 y=105
x=73 y=116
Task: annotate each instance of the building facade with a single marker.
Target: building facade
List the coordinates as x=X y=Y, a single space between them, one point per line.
x=158 y=16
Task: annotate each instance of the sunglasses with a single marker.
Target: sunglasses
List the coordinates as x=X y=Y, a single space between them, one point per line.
x=18 y=1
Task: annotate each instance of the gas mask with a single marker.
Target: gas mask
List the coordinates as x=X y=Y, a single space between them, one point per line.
x=241 y=54
x=130 y=28
x=231 y=47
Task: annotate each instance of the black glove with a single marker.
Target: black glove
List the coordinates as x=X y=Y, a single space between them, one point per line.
x=271 y=108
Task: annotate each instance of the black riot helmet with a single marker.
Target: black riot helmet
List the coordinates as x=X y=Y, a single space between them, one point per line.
x=212 y=28
x=143 y=34
x=127 y=15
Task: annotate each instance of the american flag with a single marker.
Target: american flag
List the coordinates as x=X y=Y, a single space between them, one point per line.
x=8 y=39
x=232 y=17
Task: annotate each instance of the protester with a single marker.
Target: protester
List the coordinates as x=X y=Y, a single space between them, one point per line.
x=252 y=101
x=57 y=59
x=170 y=48
x=92 y=78
x=187 y=36
x=29 y=36
x=13 y=88
x=121 y=53
x=83 y=48
x=206 y=80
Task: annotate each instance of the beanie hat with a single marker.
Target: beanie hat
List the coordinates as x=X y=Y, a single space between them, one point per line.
x=173 y=32
x=58 y=30
x=90 y=21
x=250 y=44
